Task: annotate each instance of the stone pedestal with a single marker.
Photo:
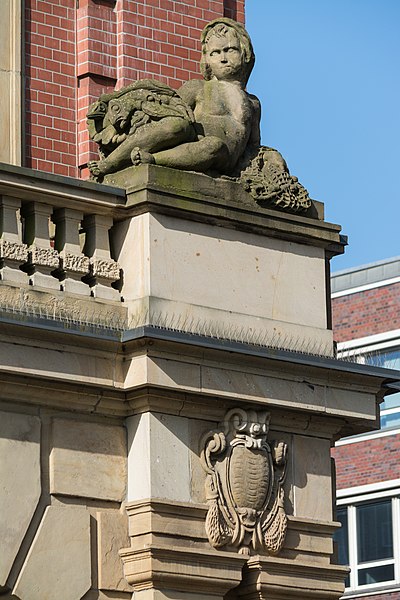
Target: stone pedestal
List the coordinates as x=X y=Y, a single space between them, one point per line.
x=278 y=579
x=234 y=302
x=183 y=453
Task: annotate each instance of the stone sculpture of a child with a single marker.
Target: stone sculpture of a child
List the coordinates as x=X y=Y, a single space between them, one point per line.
x=225 y=130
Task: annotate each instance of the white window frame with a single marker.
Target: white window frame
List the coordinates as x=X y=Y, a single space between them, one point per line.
x=384 y=412
x=351 y=503
x=387 y=341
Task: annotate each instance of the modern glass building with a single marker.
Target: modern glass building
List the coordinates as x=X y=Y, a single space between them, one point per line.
x=366 y=321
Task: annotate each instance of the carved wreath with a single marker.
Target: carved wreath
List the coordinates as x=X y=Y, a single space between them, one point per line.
x=244 y=481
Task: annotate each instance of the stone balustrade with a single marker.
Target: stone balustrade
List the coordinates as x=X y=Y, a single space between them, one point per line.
x=57 y=235
x=80 y=247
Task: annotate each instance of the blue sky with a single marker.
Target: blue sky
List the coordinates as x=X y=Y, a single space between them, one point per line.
x=328 y=76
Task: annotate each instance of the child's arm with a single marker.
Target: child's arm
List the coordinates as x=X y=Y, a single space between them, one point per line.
x=255 y=136
x=253 y=145
x=190 y=92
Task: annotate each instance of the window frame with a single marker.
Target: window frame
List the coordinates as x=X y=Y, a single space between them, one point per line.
x=357 y=349
x=351 y=503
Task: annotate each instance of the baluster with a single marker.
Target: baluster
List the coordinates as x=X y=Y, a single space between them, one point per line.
x=74 y=264
x=43 y=260
x=13 y=253
x=103 y=270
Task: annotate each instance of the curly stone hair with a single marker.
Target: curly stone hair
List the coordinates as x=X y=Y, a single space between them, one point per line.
x=220 y=27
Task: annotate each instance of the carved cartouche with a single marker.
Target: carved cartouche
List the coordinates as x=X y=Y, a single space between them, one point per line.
x=245 y=473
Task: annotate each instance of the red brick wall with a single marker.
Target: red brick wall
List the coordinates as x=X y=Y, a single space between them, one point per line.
x=366 y=313
x=367 y=462
x=50 y=93
x=394 y=596
x=74 y=51
x=387 y=596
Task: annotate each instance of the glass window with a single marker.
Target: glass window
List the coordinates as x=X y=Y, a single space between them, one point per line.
x=392 y=401
x=391 y=419
x=375 y=574
x=390 y=411
x=366 y=542
x=389 y=359
x=342 y=537
x=374 y=531
x=390 y=408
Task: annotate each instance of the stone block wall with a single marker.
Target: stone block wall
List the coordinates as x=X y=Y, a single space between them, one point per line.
x=64 y=481
x=75 y=51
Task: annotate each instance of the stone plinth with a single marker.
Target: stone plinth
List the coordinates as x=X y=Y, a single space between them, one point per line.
x=209 y=260
x=208 y=310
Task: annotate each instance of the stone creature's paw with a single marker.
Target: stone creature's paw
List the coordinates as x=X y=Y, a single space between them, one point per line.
x=140 y=157
x=94 y=167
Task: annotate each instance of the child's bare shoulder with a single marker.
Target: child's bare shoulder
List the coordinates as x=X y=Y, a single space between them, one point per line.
x=191 y=90
x=254 y=100
x=256 y=104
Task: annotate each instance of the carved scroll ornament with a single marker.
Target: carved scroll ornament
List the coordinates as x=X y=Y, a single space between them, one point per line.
x=244 y=481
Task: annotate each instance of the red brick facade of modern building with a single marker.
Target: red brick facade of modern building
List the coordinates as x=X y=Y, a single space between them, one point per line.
x=367 y=462
x=354 y=316
x=394 y=596
x=366 y=313
x=76 y=50
x=360 y=314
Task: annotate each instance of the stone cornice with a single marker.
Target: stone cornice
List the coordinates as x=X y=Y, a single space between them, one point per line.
x=369 y=377
x=189 y=195
x=59 y=191
x=224 y=203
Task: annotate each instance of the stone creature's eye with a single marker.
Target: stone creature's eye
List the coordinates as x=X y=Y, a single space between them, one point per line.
x=151 y=99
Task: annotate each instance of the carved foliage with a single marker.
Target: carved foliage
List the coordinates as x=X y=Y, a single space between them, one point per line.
x=115 y=117
x=244 y=489
x=13 y=251
x=107 y=269
x=45 y=257
x=268 y=180
x=75 y=263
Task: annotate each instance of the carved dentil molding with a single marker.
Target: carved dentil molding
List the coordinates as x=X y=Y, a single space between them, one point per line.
x=245 y=473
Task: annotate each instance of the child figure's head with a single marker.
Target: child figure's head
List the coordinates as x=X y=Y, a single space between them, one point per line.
x=227 y=52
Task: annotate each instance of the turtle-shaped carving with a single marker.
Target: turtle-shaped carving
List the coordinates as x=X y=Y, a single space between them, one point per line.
x=250 y=477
